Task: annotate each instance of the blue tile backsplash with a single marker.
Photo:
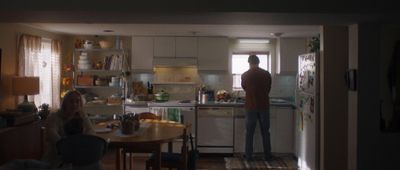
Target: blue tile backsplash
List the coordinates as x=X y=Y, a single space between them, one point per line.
x=282 y=85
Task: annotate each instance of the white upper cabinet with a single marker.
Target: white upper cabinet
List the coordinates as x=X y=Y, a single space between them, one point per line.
x=164 y=46
x=186 y=47
x=213 y=53
x=290 y=49
x=175 y=47
x=142 y=53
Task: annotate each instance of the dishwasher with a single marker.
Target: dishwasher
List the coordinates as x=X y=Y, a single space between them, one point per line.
x=215 y=129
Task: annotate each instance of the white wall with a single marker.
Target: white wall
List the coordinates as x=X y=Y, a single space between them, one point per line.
x=352 y=100
x=376 y=149
x=333 y=95
x=9 y=33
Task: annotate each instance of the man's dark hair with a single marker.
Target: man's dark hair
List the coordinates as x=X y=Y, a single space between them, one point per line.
x=73 y=126
x=253 y=59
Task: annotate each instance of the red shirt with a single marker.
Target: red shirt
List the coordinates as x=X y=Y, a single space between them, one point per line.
x=257 y=84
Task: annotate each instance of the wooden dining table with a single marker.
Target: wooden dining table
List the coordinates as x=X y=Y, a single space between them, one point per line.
x=154 y=134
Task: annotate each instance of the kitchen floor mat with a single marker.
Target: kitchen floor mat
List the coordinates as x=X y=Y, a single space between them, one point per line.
x=280 y=162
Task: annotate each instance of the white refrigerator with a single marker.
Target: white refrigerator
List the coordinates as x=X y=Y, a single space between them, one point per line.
x=307 y=112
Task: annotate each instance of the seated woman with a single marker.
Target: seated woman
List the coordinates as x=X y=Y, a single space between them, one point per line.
x=73 y=126
x=80 y=151
x=71 y=107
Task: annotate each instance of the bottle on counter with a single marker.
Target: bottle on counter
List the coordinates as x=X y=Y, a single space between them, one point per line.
x=204 y=98
x=150 y=95
x=198 y=97
x=200 y=93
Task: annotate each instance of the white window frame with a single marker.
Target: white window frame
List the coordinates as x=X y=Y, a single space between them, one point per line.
x=236 y=76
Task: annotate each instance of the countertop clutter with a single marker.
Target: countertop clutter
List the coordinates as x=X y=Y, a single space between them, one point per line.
x=191 y=103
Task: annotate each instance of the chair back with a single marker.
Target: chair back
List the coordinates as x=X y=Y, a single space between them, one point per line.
x=185 y=145
x=149 y=115
x=175 y=160
x=81 y=150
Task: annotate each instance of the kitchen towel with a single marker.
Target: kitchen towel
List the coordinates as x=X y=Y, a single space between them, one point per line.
x=280 y=161
x=174 y=114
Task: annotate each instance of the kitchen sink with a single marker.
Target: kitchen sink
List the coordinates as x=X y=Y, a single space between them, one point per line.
x=278 y=101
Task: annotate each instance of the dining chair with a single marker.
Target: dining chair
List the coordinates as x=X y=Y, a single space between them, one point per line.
x=174 y=160
x=82 y=151
x=43 y=142
x=130 y=150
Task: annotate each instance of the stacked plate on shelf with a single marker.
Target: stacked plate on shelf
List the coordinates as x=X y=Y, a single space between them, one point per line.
x=114 y=82
x=84 y=62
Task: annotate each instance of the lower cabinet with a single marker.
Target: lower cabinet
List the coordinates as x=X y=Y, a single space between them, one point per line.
x=240 y=133
x=281 y=131
x=136 y=109
x=285 y=130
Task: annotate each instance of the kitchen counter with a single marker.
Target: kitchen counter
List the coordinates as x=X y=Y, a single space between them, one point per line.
x=137 y=104
x=220 y=104
x=174 y=103
x=236 y=104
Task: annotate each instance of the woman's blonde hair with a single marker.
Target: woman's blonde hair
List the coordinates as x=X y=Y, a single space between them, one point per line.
x=70 y=95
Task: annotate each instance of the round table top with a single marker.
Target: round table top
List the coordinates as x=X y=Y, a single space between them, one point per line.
x=150 y=132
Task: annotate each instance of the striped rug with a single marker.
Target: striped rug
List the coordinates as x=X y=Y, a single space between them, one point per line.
x=280 y=162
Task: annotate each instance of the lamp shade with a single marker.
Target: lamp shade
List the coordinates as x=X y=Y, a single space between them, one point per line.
x=25 y=85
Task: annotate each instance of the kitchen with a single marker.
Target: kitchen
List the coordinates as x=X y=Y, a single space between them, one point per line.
x=182 y=77
x=345 y=26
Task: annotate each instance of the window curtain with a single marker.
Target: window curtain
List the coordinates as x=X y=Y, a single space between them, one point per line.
x=29 y=49
x=56 y=73
x=30 y=55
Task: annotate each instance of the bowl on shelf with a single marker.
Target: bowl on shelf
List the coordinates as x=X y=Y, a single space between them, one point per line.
x=84 y=66
x=88 y=44
x=100 y=82
x=105 y=44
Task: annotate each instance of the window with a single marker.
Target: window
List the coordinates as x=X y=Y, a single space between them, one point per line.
x=240 y=65
x=44 y=66
x=49 y=72
x=40 y=57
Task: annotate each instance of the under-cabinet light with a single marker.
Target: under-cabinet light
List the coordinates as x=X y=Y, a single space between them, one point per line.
x=254 y=41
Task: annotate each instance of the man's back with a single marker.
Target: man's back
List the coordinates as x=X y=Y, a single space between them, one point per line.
x=257 y=84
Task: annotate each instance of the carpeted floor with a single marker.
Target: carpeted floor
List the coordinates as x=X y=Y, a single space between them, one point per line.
x=280 y=162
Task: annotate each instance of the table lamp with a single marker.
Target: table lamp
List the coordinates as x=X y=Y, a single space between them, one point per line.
x=26 y=86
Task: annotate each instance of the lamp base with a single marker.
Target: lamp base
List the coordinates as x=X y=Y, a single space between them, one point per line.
x=27 y=107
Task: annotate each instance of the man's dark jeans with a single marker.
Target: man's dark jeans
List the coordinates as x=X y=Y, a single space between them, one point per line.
x=251 y=122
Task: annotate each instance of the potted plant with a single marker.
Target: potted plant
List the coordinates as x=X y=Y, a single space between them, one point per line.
x=314 y=44
x=43 y=111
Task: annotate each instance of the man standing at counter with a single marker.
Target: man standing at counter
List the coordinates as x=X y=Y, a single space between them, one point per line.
x=256 y=82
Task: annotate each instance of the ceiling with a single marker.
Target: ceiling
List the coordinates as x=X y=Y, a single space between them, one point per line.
x=231 y=30
x=227 y=24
